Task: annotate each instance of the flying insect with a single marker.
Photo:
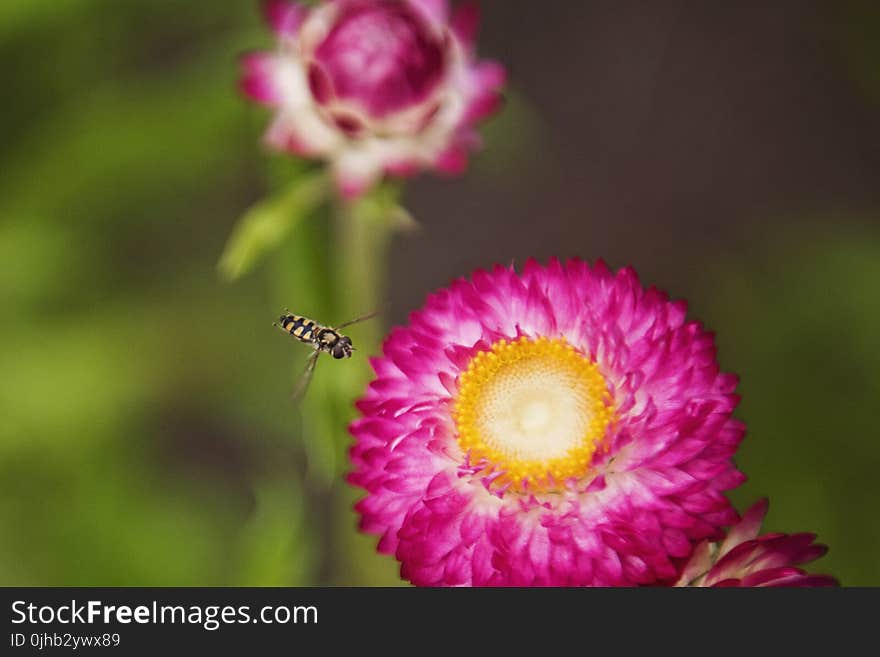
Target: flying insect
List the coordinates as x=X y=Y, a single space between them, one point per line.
x=323 y=340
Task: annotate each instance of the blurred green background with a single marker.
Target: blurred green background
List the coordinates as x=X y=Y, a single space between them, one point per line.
x=147 y=438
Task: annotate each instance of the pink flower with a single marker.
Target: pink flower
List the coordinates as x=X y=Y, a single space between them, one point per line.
x=564 y=426
x=374 y=86
x=746 y=559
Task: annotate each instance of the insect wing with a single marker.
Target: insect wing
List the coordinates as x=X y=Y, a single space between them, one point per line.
x=303 y=384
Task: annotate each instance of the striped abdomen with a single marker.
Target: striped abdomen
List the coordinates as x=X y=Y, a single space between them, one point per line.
x=302 y=328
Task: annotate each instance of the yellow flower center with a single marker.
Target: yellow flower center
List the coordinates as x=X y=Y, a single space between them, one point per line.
x=533 y=411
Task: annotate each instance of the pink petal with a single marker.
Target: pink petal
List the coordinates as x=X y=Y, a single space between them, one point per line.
x=465 y=23
x=453 y=161
x=435 y=10
x=257 y=80
x=284 y=17
x=748 y=527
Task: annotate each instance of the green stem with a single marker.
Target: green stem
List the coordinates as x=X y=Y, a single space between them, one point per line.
x=362 y=240
x=333 y=270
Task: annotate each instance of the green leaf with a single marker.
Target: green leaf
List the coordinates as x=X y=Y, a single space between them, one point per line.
x=382 y=205
x=266 y=224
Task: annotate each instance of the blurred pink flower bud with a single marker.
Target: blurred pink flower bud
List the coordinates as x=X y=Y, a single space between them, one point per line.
x=374 y=86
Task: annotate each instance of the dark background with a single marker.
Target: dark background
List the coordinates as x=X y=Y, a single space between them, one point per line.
x=728 y=151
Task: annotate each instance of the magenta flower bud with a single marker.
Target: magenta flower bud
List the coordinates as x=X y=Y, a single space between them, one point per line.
x=745 y=559
x=374 y=87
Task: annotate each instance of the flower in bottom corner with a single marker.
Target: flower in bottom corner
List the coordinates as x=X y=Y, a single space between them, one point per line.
x=746 y=559
x=564 y=426
x=374 y=87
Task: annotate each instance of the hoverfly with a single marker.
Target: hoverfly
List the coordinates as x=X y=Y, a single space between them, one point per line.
x=322 y=339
